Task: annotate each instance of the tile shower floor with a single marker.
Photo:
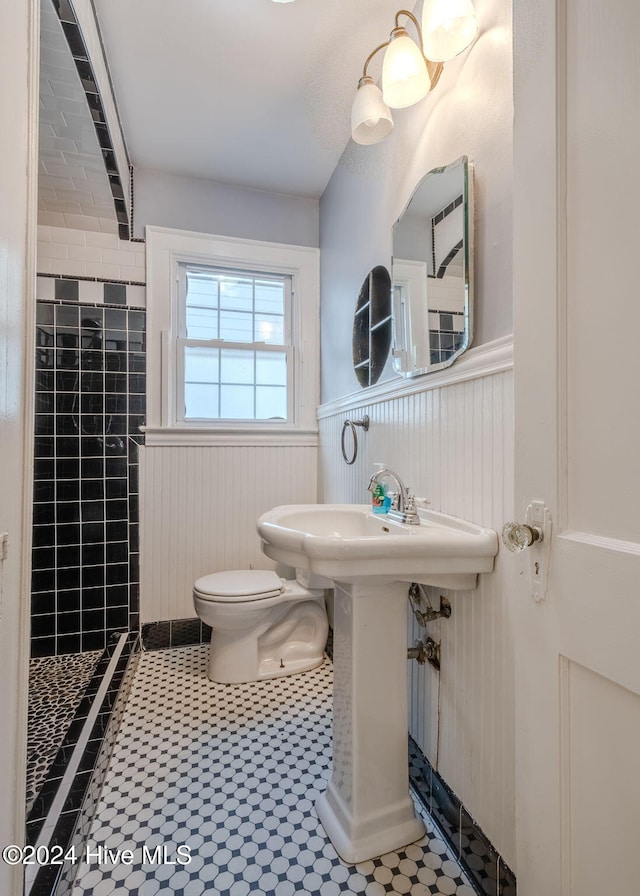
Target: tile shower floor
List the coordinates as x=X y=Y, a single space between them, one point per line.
x=56 y=686
x=232 y=772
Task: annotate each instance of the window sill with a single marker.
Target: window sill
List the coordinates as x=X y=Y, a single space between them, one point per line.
x=185 y=436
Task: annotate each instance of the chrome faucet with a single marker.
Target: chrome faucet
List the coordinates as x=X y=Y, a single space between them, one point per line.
x=403 y=508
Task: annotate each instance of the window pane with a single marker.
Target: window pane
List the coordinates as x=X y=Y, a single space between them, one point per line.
x=236 y=402
x=270 y=329
x=201 y=401
x=271 y=403
x=236 y=326
x=202 y=323
x=200 y=365
x=269 y=297
x=202 y=290
x=236 y=293
x=237 y=366
x=271 y=368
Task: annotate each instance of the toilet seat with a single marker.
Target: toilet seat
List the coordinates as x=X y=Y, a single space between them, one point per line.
x=233 y=586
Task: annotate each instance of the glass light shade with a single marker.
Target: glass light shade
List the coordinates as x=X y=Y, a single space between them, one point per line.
x=448 y=27
x=405 y=78
x=371 y=119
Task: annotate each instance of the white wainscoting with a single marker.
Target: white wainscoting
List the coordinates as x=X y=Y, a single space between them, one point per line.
x=452 y=442
x=199 y=507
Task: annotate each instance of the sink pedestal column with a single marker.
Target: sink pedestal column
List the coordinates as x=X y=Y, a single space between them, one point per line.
x=366 y=809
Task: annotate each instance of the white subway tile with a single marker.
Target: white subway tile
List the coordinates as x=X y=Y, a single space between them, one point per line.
x=104 y=240
x=90 y=291
x=85 y=253
x=68 y=237
x=106 y=271
x=107 y=225
x=137 y=295
x=81 y=222
x=132 y=273
x=53 y=219
x=45 y=288
x=44 y=233
x=67 y=268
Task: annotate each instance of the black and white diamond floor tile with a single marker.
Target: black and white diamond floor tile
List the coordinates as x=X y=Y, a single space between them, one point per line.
x=232 y=772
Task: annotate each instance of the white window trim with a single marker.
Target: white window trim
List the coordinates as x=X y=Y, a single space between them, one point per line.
x=166 y=250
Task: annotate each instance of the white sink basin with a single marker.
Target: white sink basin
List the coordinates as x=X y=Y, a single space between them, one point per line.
x=349 y=543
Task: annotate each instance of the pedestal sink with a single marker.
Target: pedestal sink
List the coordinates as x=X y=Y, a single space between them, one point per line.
x=367 y=809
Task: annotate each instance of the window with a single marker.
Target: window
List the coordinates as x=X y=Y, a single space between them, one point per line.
x=232 y=341
x=234 y=349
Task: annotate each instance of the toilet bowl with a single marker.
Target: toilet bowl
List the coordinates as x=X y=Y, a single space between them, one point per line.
x=262 y=626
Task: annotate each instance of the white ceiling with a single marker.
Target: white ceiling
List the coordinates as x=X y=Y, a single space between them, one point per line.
x=245 y=92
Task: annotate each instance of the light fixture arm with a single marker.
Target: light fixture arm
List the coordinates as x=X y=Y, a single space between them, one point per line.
x=433 y=68
x=371 y=55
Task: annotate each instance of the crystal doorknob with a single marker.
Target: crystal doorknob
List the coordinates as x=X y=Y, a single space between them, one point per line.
x=518 y=536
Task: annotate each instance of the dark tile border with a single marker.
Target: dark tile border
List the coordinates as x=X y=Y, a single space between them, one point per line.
x=469 y=843
x=174 y=633
x=78 y=49
x=74 y=822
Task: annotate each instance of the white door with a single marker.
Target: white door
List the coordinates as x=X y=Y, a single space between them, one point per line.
x=577 y=368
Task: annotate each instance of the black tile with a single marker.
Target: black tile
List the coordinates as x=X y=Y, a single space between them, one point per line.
x=44 y=313
x=44 y=424
x=43 y=626
x=92 y=490
x=67 y=381
x=44 y=602
x=68 y=623
x=43 y=647
x=43 y=558
x=116 y=509
x=74 y=39
x=68 y=533
x=115 y=293
x=43 y=446
x=117 y=573
x=93 y=640
x=67 y=468
x=93 y=511
x=136 y=321
x=92 y=468
x=68 y=644
x=93 y=554
x=68 y=601
x=93 y=576
x=67 y=423
x=44 y=514
x=92 y=532
x=43 y=580
x=68 y=512
x=68 y=446
x=117 y=552
x=67 y=490
x=117 y=531
x=92 y=620
x=43 y=468
x=117 y=617
x=93 y=598
x=117 y=595
x=156 y=635
x=68 y=555
x=67 y=578
x=114 y=319
x=115 y=467
x=44 y=536
x=67 y=315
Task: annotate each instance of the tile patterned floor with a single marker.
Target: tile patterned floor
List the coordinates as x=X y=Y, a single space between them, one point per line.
x=56 y=686
x=233 y=772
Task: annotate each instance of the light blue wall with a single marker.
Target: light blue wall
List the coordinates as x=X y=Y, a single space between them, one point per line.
x=470 y=112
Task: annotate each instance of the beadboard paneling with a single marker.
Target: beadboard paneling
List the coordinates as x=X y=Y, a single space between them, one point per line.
x=199 y=507
x=452 y=444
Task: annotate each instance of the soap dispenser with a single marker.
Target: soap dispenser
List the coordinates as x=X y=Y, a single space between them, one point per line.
x=380 y=500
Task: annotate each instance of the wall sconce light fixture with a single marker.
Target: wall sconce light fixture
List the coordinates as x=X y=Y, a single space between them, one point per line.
x=410 y=69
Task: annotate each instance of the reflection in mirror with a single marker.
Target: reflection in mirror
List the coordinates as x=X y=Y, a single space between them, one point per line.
x=432 y=264
x=372 y=326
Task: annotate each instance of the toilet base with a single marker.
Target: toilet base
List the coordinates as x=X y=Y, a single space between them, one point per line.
x=290 y=640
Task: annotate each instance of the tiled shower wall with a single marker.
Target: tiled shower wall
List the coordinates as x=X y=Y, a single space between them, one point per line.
x=89 y=405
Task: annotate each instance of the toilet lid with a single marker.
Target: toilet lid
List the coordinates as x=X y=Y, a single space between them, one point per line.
x=238 y=584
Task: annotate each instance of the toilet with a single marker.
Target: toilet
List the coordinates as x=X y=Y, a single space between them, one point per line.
x=262 y=626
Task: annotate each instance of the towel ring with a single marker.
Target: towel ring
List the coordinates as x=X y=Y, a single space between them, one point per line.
x=351 y=424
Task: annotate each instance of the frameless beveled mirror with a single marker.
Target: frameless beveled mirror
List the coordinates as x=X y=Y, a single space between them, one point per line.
x=432 y=282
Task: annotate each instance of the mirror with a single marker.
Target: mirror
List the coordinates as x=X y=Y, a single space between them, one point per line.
x=432 y=272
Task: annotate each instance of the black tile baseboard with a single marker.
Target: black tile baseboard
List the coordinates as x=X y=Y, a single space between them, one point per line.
x=174 y=633
x=487 y=870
